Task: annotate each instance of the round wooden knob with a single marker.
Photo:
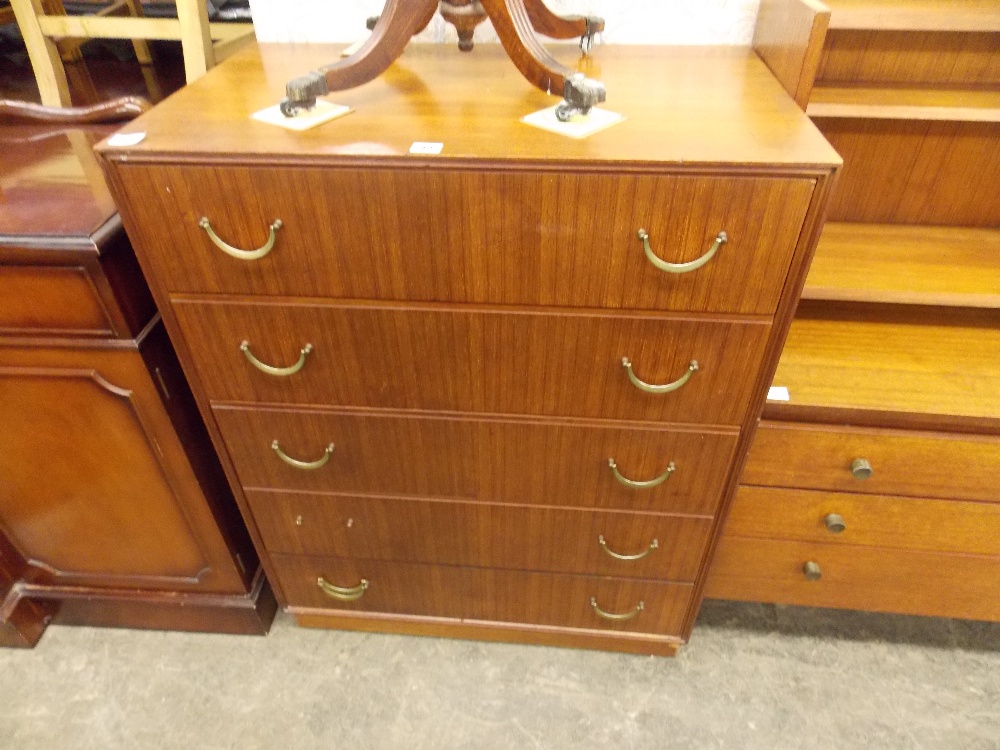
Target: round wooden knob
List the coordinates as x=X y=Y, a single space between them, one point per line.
x=861 y=468
x=835 y=523
x=811 y=571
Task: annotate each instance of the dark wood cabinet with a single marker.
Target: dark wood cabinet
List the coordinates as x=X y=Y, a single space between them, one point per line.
x=113 y=507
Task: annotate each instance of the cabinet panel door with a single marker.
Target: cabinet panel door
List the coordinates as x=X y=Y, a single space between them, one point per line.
x=95 y=488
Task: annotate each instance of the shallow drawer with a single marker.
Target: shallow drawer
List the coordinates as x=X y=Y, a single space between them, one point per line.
x=853 y=577
x=476 y=361
x=876 y=520
x=483 y=535
x=492 y=460
x=486 y=595
x=902 y=463
x=51 y=301
x=531 y=238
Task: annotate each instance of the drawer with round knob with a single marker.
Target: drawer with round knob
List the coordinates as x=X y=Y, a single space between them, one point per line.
x=855 y=577
x=655 y=242
x=654 y=368
x=633 y=545
x=483 y=595
x=874 y=461
x=873 y=520
x=592 y=465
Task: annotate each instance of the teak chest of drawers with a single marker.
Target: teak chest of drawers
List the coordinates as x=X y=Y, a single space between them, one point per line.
x=459 y=395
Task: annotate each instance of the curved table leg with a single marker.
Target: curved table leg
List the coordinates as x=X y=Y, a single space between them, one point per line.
x=513 y=25
x=547 y=23
x=400 y=20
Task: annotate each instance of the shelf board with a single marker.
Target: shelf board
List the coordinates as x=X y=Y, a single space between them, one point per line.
x=915 y=15
x=950 y=371
x=905 y=103
x=906 y=265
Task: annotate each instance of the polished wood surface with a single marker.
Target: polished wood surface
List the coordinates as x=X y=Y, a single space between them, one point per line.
x=481 y=535
x=910 y=265
x=51 y=182
x=945 y=370
x=484 y=296
x=855 y=577
x=539 y=238
x=942 y=172
x=117 y=110
x=874 y=56
x=906 y=103
x=748 y=119
x=487 y=595
x=789 y=37
x=915 y=464
x=870 y=520
x=530 y=463
x=916 y=15
x=31 y=300
x=468 y=360
x=78 y=418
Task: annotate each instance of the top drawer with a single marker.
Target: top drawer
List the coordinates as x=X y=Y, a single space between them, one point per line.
x=886 y=462
x=51 y=301
x=529 y=238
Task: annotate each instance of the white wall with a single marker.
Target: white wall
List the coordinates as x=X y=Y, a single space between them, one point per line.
x=628 y=21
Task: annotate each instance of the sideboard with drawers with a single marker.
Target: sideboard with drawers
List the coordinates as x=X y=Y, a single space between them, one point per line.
x=502 y=392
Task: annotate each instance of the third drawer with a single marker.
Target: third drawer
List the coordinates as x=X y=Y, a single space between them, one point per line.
x=485 y=535
x=529 y=463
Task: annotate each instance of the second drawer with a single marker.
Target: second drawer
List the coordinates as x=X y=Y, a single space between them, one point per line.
x=528 y=463
x=483 y=535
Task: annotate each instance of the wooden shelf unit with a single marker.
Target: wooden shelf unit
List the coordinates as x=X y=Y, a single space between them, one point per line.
x=895 y=349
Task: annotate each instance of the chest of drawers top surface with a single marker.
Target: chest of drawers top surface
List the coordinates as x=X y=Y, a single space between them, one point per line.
x=684 y=105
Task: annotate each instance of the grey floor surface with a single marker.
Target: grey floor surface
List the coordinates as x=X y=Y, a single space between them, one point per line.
x=753 y=676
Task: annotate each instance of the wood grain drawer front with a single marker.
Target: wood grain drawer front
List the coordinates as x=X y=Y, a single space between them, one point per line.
x=487 y=460
x=873 y=520
x=852 y=577
x=903 y=463
x=51 y=300
x=487 y=595
x=528 y=238
x=482 y=535
x=477 y=361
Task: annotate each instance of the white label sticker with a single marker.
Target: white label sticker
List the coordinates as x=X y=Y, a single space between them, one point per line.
x=126 y=139
x=423 y=147
x=778 y=393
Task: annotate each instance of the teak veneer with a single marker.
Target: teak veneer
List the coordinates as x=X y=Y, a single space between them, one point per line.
x=430 y=426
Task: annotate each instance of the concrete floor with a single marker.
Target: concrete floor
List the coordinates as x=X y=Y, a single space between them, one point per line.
x=753 y=676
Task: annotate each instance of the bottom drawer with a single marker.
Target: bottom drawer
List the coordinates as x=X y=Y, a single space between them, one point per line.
x=487 y=595
x=856 y=577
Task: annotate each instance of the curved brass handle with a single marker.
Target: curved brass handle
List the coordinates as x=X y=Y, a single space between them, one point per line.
x=720 y=239
x=649 y=483
x=339 y=592
x=235 y=252
x=604 y=545
x=278 y=372
x=305 y=465
x=650 y=388
x=612 y=616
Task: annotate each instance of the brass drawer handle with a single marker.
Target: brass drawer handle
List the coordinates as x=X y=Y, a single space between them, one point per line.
x=612 y=616
x=861 y=468
x=649 y=483
x=341 y=593
x=235 y=252
x=278 y=372
x=835 y=523
x=811 y=571
x=304 y=465
x=604 y=545
x=650 y=388
x=720 y=239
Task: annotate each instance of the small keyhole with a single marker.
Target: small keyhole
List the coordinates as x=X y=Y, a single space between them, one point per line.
x=350 y=522
x=298 y=520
